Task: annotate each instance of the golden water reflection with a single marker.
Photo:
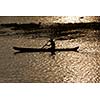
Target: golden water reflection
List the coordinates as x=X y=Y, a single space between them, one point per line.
x=48 y=19
x=76 y=19
x=83 y=66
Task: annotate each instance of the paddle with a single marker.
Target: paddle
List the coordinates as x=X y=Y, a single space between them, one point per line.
x=45 y=44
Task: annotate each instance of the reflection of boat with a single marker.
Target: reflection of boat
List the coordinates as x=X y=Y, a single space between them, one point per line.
x=20 y=49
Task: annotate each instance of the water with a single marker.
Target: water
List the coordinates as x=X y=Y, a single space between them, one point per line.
x=42 y=67
x=48 y=19
x=82 y=66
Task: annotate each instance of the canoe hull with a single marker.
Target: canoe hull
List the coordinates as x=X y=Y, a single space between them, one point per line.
x=21 y=49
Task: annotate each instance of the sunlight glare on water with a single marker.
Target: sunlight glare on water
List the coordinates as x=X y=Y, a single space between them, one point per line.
x=48 y=19
x=76 y=19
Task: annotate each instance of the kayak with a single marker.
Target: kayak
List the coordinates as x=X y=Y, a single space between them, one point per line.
x=21 y=49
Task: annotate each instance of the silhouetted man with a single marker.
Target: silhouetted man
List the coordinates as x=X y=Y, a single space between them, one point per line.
x=52 y=44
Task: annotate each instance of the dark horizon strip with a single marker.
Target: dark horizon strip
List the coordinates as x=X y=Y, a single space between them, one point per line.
x=60 y=26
